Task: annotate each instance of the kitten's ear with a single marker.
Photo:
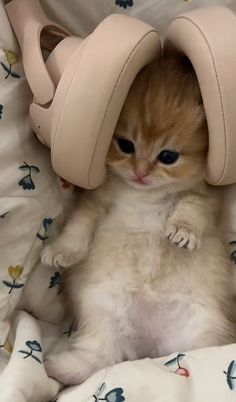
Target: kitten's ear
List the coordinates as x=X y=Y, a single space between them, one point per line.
x=191 y=77
x=146 y=73
x=198 y=95
x=141 y=83
x=201 y=115
x=193 y=85
x=185 y=64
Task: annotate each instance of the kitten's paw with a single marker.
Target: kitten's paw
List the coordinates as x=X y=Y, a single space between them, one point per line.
x=58 y=256
x=182 y=236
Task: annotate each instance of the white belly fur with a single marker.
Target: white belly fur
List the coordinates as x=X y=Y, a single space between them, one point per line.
x=156 y=293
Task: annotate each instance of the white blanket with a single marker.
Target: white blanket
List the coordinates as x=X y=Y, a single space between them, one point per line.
x=31 y=196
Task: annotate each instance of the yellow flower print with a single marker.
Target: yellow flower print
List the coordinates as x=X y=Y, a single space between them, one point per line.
x=12 y=59
x=7 y=346
x=15 y=272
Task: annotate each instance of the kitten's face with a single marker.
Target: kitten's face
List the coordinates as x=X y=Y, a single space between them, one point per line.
x=161 y=136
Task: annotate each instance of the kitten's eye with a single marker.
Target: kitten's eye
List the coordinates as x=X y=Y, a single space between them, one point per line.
x=168 y=157
x=126 y=146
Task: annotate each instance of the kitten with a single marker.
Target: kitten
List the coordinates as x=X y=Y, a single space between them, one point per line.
x=151 y=274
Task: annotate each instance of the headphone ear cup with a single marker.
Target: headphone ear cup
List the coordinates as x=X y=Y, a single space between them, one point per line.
x=80 y=91
x=207 y=38
x=90 y=95
x=32 y=27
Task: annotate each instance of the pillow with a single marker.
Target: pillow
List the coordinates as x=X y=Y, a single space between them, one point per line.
x=81 y=17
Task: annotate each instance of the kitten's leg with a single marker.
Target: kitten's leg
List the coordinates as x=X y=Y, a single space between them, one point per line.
x=189 y=220
x=206 y=327
x=214 y=333
x=97 y=346
x=72 y=244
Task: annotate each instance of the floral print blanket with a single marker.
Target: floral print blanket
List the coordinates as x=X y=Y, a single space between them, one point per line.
x=31 y=197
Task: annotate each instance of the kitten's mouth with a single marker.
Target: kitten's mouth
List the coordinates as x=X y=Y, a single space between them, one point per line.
x=140 y=180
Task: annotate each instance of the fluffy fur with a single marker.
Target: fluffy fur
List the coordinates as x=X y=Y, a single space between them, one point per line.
x=150 y=273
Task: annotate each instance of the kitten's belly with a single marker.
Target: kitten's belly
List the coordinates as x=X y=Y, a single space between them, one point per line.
x=138 y=285
x=161 y=328
x=155 y=291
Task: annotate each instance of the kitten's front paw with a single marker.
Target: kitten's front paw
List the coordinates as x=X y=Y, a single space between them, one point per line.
x=58 y=256
x=182 y=235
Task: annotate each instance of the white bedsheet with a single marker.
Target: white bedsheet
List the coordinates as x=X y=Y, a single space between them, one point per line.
x=31 y=196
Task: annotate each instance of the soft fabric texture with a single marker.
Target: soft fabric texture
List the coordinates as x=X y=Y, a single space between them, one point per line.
x=31 y=197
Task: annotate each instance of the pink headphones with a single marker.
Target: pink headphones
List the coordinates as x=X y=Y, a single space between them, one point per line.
x=79 y=90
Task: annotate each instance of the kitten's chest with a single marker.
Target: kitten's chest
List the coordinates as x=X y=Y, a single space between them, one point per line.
x=138 y=215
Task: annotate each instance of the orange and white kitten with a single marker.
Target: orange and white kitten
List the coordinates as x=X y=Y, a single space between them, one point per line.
x=150 y=273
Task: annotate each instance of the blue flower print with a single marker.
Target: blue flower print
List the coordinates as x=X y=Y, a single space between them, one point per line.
x=33 y=346
x=231 y=375
x=179 y=369
x=47 y=223
x=1 y=110
x=124 y=3
x=42 y=234
x=233 y=254
x=27 y=182
x=56 y=280
x=72 y=328
x=115 y=395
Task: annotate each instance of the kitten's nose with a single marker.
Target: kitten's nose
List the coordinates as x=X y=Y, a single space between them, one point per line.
x=141 y=169
x=140 y=174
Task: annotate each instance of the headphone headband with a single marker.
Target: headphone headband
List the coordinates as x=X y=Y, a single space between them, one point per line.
x=79 y=92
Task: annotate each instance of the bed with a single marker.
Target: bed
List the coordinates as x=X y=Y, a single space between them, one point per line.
x=31 y=198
